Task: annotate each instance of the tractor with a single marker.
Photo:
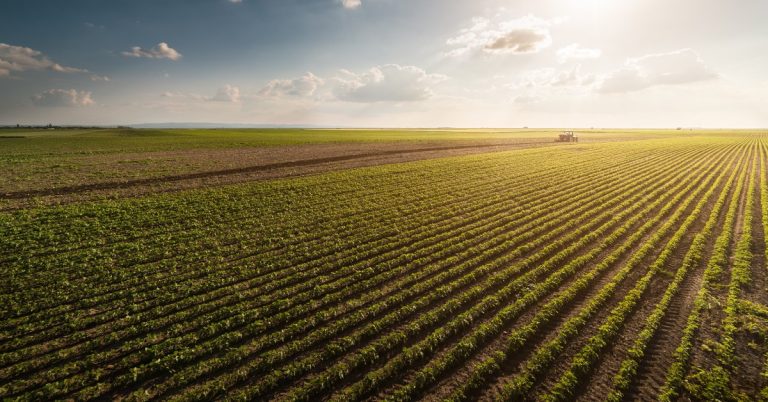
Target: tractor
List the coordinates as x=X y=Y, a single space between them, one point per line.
x=567 y=136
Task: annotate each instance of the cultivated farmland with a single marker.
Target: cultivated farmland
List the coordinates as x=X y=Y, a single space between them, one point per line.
x=403 y=265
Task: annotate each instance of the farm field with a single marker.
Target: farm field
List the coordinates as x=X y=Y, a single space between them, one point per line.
x=383 y=265
x=59 y=166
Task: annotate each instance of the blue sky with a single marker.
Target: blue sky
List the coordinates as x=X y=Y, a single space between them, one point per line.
x=480 y=63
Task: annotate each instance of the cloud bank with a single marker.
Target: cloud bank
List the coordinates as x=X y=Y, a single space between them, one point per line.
x=576 y=51
x=228 y=93
x=20 y=59
x=350 y=4
x=63 y=98
x=305 y=85
x=160 y=51
x=387 y=83
x=673 y=68
x=529 y=34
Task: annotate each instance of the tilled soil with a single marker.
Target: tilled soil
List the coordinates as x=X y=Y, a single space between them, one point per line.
x=180 y=170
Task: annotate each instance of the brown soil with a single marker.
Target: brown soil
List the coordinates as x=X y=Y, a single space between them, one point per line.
x=750 y=347
x=703 y=356
x=457 y=376
x=659 y=354
x=180 y=170
x=612 y=356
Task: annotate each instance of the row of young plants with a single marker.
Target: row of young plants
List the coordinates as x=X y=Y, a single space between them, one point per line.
x=425 y=288
x=716 y=266
x=628 y=369
x=449 y=265
x=465 y=347
x=764 y=214
x=151 y=248
x=152 y=282
x=326 y=378
x=582 y=363
x=112 y=221
x=200 y=322
x=716 y=381
x=541 y=359
x=480 y=372
x=280 y=230
x=144 y=272
x=249 y=214
x=121 y=223
x=135 y=311
x=154 y=323
x=328 y=279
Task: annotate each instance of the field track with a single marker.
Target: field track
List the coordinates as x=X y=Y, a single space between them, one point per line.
x=626 y=270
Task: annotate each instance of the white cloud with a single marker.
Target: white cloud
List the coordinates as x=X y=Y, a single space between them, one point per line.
x=228 y=93
x=100 y=78
x=678 y=67
x=351 y=3
x=160 y=51
x=19 y=59
x=546 y=84
x=387 y=83
x=572 y=77
x=529 y=34
x=519 y=40
x=305 y=85
x=63 y=97
x=235 y=1
x=575 y=51
x=550 y=77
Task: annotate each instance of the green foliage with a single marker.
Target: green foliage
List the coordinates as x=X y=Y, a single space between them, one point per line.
x=366 y=282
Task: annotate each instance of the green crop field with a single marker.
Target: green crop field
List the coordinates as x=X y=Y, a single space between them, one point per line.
x=631 y=265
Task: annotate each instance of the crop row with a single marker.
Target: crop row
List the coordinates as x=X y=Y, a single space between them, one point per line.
x=112 y=328
x=467 y=345
x=389 y=282
x=716 y=265
x=517 y=338
x=146 y=276
x=581 y=364
x=451 y=262
x=491 y=303
x=628 y=369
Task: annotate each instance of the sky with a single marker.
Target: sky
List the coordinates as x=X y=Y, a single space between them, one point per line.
x=386 y=63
